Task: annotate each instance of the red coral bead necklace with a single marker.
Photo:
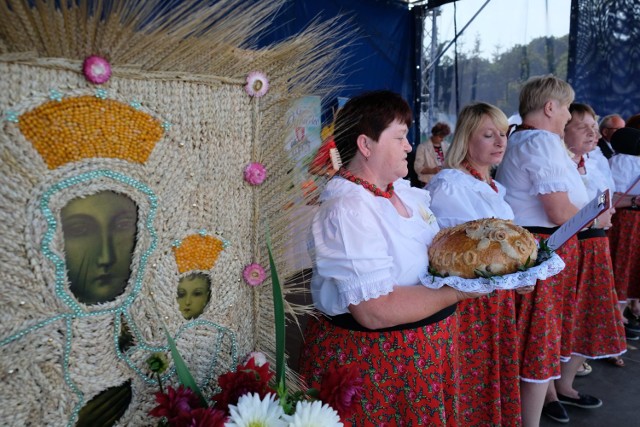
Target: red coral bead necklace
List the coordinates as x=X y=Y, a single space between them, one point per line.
x=366 y=184
x=476 y=174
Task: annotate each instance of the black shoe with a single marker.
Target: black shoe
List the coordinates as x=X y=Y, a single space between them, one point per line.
x=583 y=401
x=631 y=336
x=633 y=322
x=556 y=411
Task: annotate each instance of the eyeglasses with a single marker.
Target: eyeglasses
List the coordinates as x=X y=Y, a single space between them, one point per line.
x=613 y=129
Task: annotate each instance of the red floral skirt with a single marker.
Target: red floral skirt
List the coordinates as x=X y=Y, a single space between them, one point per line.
x=624 y=236
x=544 y=319
x=410 y=376
x=489 y=368
x=598 y=329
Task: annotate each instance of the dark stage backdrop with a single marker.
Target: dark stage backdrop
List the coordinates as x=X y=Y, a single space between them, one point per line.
x=382 y=56
x=604 y=55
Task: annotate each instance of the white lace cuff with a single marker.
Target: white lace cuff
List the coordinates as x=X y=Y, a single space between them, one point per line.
x=366 y=287
x=519 y=279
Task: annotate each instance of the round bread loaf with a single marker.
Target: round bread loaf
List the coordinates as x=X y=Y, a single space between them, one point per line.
x=482 y=248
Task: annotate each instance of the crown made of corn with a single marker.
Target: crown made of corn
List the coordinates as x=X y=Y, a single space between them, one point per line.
x=198 y=252
x=85 y=127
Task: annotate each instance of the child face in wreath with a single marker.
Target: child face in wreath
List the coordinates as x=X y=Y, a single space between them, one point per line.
x=99 y=238
x=193 y=295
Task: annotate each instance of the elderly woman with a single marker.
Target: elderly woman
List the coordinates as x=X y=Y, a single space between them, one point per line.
x=598 y=331
x=430 y=154
x=624 y=235
x=369 y=245
x=487 y=344
x=544 y=190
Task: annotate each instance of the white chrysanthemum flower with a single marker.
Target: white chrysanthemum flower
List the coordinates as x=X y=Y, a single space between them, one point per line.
x=314 y=414
x=253 y=412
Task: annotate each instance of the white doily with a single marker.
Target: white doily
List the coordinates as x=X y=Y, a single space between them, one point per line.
x=546 y=269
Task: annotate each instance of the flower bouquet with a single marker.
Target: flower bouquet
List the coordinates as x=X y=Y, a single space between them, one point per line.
x=248 y=397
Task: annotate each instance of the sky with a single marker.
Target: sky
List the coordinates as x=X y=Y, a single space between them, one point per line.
x=503 y=22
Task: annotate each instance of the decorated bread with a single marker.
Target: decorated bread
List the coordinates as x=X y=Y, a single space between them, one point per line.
x=482 y=248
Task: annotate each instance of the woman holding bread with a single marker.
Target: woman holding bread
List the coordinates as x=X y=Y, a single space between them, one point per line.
x=464 y=191
x=369 y=244
x=544 y=190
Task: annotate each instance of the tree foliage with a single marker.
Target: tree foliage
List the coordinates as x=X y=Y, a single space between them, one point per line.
x=498 y=80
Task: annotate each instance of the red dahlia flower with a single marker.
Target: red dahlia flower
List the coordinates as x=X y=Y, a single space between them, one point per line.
x=175 y=404
x=342 y=390
x=248 y=378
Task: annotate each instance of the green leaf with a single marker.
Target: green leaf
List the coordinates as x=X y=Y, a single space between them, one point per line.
x=184 y=375
x=278 y=309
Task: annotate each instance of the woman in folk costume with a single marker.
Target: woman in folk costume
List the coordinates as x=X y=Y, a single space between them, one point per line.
x=598 y=331
x=487 y=344
x=369 y=245
x=625 y=233
x=544 y=190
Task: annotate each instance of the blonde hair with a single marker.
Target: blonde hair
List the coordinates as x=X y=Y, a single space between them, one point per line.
x=539 y=90
x=469 y=120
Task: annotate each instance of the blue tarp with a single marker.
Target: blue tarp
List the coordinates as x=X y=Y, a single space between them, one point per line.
x=383 y=54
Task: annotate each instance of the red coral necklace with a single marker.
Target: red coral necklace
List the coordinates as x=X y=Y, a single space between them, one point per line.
x=366 y=184
x=476 y=174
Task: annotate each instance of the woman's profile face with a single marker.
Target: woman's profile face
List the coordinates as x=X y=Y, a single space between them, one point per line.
x=389 y=154
x=487 y=143
x=193 y=295
x=99 y=238
x=580 y=134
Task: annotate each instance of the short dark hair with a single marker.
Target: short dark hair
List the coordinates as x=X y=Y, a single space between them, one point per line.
x=441 y=129
x=634 y=121
x=626 y=141
x=369 y=113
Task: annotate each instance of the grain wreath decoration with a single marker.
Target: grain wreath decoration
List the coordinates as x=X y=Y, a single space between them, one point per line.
x=155 y=152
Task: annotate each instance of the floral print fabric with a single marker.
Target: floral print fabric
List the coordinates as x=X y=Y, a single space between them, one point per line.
x=545 y=321
x=625 y=253
x=410 y=376
x=489 y=369
x=598 y=329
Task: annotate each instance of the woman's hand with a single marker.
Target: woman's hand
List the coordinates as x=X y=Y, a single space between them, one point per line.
x=467 y=295
x=524 y=290
x=604 y=219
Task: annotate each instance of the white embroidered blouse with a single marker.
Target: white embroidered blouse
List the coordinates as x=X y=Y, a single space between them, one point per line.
x=536 y=162
x=362 y=247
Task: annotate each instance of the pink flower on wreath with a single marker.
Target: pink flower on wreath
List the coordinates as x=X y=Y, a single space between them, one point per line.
x=96 y=69
x=257 y=84
x=255 y=173
x=254 y=274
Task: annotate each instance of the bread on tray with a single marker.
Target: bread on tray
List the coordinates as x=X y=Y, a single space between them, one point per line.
x=482 y=248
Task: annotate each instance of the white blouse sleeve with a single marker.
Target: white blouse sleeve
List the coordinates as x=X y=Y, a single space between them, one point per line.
x=456 y=200
x=545 y=162
x=352 y=253
x=450 y=205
